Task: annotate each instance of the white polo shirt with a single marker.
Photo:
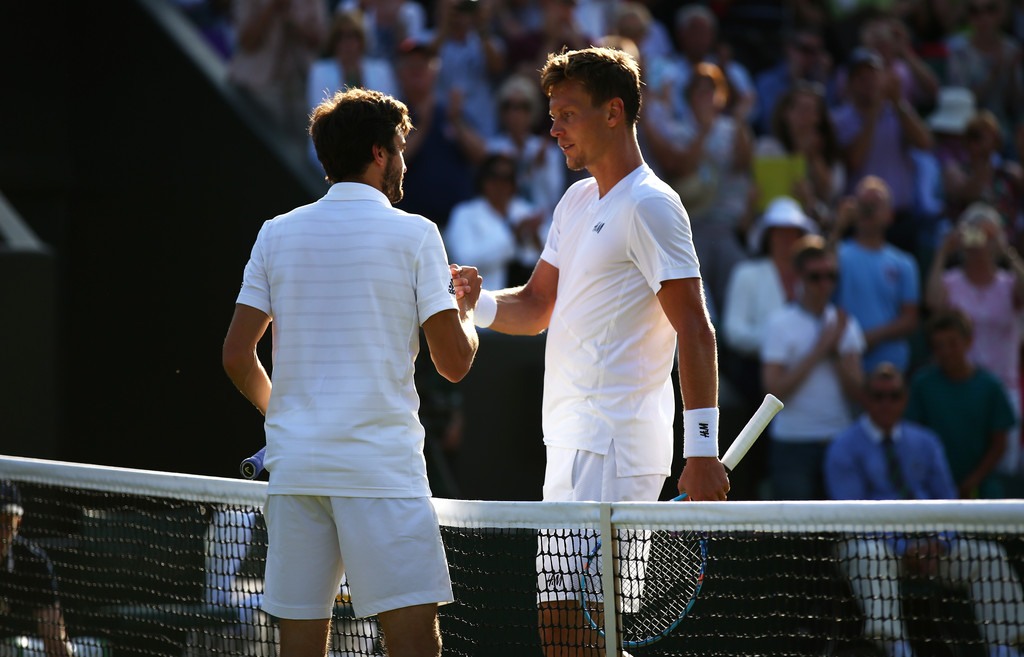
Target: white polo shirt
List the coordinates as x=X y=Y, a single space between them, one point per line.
x=347 y=282
x=610 y=347
x=817 y=410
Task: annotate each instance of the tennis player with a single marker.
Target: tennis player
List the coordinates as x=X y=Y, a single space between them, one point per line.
x=617 y=281
x=348 y=281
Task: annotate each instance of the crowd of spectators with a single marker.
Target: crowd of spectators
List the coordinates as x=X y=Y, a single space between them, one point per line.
x=892 y=130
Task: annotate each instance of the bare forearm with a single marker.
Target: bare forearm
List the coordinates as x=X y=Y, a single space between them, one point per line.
x=851 y=376
x=50 y=626
x=698 y=365
x=898 y=328
x=782 y=381
x=935 y=289
x=916 y=131
x=251 y=379
x=857 y=152
x=988 y=463
x=520 y=312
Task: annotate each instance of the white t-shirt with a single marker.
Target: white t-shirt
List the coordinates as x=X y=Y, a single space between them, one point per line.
x=818 y=409
x=610 y=347
x=347 y=282
x=755 y=292
x=477 y=233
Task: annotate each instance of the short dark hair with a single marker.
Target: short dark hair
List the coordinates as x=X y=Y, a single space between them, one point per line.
x=951 y=319
x=346 y=127
x=491 y=164
x=885 y=371
x=605 y=73
x=809 y=247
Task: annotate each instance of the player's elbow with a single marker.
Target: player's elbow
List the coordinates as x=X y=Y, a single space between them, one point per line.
x=455 y=365
x=235 y=360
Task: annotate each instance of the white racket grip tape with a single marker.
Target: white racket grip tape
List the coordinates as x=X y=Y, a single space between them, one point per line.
x=754 y=427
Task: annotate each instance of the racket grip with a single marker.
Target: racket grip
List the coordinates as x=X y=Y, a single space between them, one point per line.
x=251 y=467
x=749 y=433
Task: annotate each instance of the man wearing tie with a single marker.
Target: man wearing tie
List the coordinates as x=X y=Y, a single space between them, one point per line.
x=882 y=457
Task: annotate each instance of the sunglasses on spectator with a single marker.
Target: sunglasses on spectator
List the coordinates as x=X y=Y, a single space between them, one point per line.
x=881 y=395
x=520 y=105
x=819 y=276
x=502 y=176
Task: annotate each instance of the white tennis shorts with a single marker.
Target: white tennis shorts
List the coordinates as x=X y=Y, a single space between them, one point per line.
x=389 y=548
x=573 y=475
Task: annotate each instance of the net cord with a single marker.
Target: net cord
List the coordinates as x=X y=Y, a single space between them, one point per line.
x=804 y=517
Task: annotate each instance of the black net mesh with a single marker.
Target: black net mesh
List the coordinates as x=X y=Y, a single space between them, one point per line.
x=147 y=574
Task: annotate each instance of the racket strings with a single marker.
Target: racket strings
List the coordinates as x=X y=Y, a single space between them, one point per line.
x=668 y=584
x=659 y=576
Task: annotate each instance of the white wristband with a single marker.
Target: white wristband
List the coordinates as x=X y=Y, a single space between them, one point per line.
x=700 y=432
x=486 y=309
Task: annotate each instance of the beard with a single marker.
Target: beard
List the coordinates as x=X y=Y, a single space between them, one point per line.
x=392 y=182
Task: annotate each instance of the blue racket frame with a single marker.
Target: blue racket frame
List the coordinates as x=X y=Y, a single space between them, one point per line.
x=668 y=630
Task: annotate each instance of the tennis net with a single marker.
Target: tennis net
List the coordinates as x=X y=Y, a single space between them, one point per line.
x=151 y=563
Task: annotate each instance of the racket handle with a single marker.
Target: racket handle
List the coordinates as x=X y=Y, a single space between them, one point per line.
x=749 y=433
x=251 y=467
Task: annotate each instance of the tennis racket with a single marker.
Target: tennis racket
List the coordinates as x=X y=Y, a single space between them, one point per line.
x=251 y=467
x=661 y=573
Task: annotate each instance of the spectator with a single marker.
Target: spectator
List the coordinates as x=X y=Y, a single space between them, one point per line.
x=633 y=20
x=764 y=284
x=706 y=158
x=28 y=588
x=877 y=128
x=560 y=28
x=881 y=457
x=442 y=151
x=696 y=31
x=992 y=297
x=277 y=42
x=494 y=227
x=811 y=360
x=802 y=127
x=471 y=59
x=757 y=288
x=985 y=175
x=515 y=19
x=387 y=23
x=964 y=404
x=888 y=36
x=805 y=59
x=948 y=124
x=540 y=165
x=347 y=65
x=988 y=62
x=879 y=283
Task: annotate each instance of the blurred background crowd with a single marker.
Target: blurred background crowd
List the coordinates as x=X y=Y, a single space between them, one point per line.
x=890 y=131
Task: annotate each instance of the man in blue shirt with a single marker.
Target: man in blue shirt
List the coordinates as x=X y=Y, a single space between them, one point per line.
x=878 y=283
x=882 y=457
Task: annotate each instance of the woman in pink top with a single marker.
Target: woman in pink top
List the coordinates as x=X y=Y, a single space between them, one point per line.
x=990 y=294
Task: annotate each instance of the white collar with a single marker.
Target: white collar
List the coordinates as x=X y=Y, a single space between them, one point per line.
x=354 y=191
x=876 y=434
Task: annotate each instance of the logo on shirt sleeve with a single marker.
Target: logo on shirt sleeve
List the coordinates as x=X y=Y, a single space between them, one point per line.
x=451 y=287
x=598 y=226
